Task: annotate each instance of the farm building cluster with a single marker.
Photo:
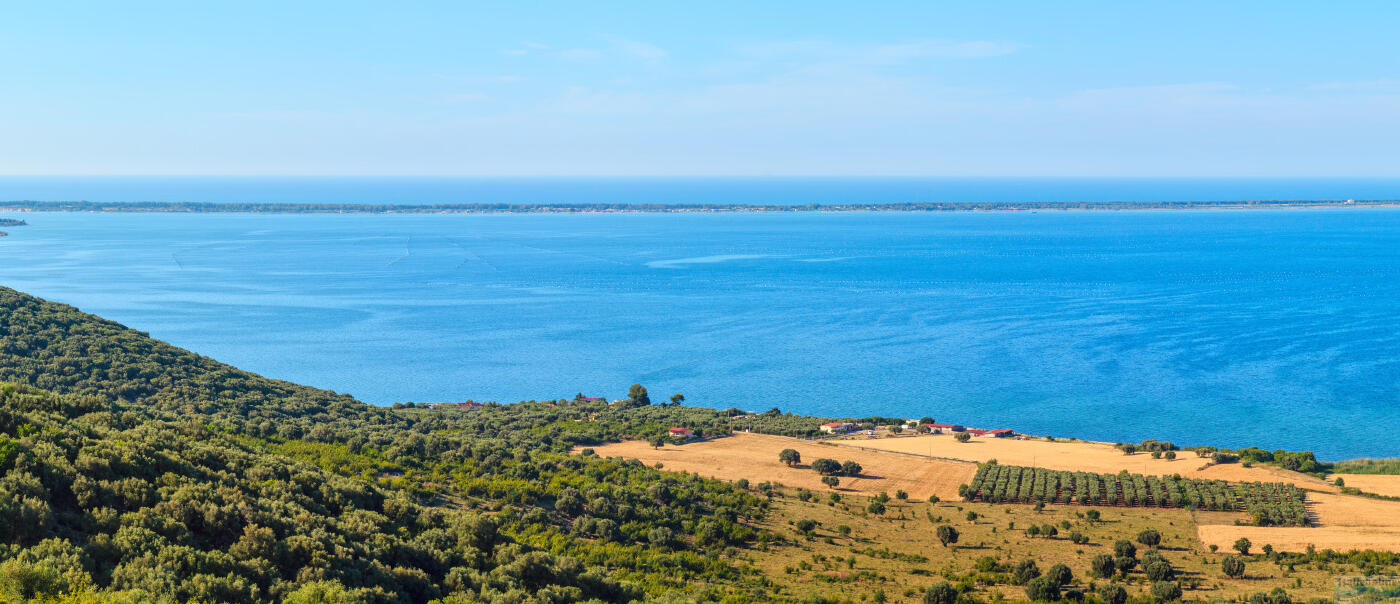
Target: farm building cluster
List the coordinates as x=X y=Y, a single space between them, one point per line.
x=847 y=427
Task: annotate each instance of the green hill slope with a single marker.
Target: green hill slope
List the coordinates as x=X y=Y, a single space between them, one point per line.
x=132 y=470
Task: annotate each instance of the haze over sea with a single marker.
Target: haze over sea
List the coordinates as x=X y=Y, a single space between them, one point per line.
x=1271 y=328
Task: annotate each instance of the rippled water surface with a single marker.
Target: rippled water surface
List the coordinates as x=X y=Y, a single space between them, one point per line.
x=1275 y=328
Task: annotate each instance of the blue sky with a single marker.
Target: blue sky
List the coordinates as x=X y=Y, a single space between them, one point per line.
x=740 y=88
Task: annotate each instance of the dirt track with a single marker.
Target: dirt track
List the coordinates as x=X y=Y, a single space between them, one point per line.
x=755 y=457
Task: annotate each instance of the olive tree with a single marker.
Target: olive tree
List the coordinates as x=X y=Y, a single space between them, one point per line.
x=1242 y=546
x=790 y=457
x=947 y=535
x=1232 y=566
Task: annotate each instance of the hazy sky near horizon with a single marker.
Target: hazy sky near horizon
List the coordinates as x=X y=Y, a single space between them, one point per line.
x=832 y=88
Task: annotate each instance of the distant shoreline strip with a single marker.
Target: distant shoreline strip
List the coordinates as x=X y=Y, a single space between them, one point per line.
x=592 y=208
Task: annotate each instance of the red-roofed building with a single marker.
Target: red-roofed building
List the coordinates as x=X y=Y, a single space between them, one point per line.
x=681 y=432
x=589 y=399
x=837 y=427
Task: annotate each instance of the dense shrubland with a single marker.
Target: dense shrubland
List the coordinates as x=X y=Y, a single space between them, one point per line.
x=157 y=473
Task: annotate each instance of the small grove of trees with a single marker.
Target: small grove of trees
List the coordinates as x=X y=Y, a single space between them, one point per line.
x=828 y=467
x=1268 y=504
x=1046 y=588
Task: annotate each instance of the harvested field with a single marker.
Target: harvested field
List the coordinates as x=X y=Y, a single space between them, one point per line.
x=1344 y=522
x=1293 y=539
x=755 y=457
x=1380 y=484
x=1080 y=456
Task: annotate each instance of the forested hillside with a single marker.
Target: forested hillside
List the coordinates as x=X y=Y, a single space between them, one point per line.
x=133 y=470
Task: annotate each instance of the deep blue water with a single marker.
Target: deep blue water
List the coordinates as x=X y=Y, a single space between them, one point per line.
x=718 y=190
x=1270 y=328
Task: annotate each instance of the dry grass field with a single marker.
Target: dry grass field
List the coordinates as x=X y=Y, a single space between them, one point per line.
x=1380 y=484
x=1080 y=456
x=1344 y=522
x=899 y=554
x=755 y=457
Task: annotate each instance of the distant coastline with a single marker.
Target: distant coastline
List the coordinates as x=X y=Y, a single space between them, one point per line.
x=582 y=208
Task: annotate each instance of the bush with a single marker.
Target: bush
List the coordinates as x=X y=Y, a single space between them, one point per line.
x=1149 y=537
x=1123 y=548
x=1042 y=589
x=1232 y=566
x=826 y=466
x=1166 y=591
x=941 y=593
x=1159 y=570
x=1024 y=572
x=1112 y=593
x=1102 y=566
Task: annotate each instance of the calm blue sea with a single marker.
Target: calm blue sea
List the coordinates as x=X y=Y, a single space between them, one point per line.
x=1270 y=328
x=717 y=190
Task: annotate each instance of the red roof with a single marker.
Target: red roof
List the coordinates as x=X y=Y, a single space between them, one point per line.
x=681 y=431
x=835 y=425
x=469 y=404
